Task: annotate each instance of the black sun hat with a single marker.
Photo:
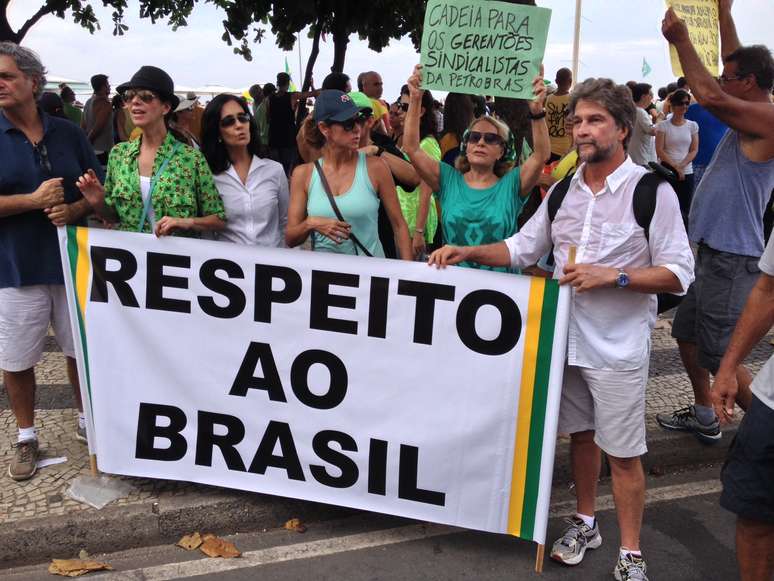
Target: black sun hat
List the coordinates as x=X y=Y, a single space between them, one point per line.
x=154 y=79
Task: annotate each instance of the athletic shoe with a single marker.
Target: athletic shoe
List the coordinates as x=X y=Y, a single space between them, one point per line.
x=684 y=420
x=630 y=568
x=80 y=434
x=577 y=537
x=25 y=460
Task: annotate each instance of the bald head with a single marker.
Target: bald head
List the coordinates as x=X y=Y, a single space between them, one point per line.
x=370 y=83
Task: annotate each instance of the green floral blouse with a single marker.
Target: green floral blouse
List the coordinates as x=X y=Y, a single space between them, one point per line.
x=185 y=189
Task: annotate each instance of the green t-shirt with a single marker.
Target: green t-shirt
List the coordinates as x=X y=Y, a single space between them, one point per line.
x=479 y=216
x=73 y=113
x=409 y=201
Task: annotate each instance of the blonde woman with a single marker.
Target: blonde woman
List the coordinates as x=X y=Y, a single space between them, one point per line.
x=483 y=195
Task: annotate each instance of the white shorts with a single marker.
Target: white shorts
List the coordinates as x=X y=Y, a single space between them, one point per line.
x=25 y=314
x=612 y=403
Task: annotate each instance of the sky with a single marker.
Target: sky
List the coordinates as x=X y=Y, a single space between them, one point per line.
x=615 y=37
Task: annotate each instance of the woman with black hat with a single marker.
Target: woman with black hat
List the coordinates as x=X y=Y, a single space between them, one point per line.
x=336 y=199
x=155 y=184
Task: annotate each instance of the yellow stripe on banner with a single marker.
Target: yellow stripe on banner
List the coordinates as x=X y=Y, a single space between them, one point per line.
x=521 y=446
x=82 y=270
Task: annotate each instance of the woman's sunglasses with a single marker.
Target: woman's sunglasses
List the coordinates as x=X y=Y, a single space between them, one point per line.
x=229 y=120
x=144 y=95
x=489 y=138
x=403 y=106
x=349 y=124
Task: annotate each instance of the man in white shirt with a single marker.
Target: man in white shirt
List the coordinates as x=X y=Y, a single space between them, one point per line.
x=617 y=274
x=748 y=476
x=642 y=147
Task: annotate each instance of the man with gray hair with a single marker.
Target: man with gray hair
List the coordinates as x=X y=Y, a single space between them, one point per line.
x=620 y=268
x=42 y=157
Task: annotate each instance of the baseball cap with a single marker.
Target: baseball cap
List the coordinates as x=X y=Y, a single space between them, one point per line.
x=333 y=105
x=361 y=100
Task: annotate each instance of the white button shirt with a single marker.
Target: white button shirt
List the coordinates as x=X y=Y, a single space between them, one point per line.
x=609 y=328
x=256 y=211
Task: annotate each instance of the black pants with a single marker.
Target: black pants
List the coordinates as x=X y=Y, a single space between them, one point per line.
x=684 y=190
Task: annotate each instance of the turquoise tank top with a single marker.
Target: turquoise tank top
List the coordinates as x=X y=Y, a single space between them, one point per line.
x=359 y=206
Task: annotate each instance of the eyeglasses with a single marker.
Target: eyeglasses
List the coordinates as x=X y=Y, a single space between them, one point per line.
x=489 y=138
x=683 y=103
x=42 y=152
x=724 y=79
x=366 y=115
x=229 y=120
x=403 y=106
x=144 y=95
x=349 y=124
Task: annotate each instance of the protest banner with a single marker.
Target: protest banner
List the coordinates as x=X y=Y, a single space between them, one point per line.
x=483 y=48
x=701 y=18
x=362 y=382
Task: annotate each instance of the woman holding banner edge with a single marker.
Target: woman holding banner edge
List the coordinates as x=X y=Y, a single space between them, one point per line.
x=482 y=196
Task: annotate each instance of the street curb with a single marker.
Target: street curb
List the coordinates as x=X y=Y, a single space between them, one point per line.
x=223 y=511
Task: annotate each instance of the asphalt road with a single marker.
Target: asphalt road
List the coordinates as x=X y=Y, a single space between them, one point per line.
x=686 y=537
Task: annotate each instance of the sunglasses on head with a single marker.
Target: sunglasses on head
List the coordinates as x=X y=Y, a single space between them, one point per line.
x=230 y=120
x=488 y=137
x=349 y=124
x=42 y=152
x=145 y=95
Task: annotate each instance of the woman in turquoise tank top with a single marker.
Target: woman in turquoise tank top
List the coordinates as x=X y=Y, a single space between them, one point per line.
x=483 y=194
x=358 y=183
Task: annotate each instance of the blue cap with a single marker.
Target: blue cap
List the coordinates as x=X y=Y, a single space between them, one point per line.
x=333 y=105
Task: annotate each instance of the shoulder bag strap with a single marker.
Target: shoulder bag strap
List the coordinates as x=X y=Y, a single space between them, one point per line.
x=154 y=180
x=336 y=210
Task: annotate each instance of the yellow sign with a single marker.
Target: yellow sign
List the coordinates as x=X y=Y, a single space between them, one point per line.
x=701 y=17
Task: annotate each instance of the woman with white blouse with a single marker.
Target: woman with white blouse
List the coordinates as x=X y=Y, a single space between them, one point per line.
x=254 y=190
x=677 y=143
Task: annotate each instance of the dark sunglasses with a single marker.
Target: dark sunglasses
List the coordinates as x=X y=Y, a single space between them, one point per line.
x=349 y=124
x=403 y=106
x=489 y=138
x=144 y=95
x=684 y=103
x=42 y=152
x=229 y=120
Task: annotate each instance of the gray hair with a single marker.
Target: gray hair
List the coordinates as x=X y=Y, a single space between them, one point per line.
x=616 y=99
x=28 y=63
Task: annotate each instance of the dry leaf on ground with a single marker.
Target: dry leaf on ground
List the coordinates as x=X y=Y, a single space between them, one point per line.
x=295 y=524
x=191 y=542
x=76 y=567
x=217 y=547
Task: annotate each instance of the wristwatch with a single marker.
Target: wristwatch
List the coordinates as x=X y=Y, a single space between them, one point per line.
x=536 y=116
x=623 y=279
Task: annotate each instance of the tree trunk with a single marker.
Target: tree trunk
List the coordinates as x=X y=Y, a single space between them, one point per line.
x=310 y=69
x=340 y=42
x=6 y=32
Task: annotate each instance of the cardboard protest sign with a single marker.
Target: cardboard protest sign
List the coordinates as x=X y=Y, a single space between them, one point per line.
x=483 y=48
x=701 y=17
x=377 y=384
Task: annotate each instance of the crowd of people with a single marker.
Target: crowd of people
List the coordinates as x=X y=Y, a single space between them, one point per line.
x=635 y=200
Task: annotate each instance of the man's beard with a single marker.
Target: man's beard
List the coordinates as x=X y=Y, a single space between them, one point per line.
x=598 y=154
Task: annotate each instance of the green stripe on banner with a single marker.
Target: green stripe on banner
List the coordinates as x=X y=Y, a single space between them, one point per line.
x=72 y=253
x=539 y=402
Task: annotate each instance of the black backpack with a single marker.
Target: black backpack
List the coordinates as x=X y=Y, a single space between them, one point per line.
x=643 y=205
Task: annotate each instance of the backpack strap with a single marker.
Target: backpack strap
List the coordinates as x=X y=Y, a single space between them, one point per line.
x=557 y=197
x=644 y=200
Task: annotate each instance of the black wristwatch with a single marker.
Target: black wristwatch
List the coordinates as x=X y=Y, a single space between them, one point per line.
x=536 y=116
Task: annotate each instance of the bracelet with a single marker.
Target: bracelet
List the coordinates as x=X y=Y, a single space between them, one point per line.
x=537 y=116
x=419 y=230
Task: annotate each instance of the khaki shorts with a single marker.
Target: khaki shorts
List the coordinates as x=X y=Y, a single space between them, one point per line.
x=25 y=314
x=611 y=403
